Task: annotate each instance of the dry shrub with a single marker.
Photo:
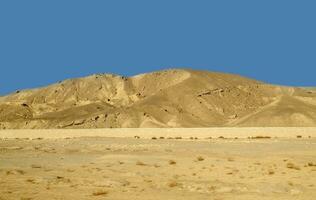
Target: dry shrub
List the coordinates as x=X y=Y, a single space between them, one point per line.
x=30 y=180
x=154 y=138
x=261 y=137
x=173 y=184
x=15 y=172
x=311 y=164
x=36 y=166
x=230 y=159
x=140 y=163
x=271 y=172
x=200 y=158
x=26 y=198
x=100 y=193
x=172 y=162
x=161 y=138
x=298 y=136
x=136 y=137
x=71 y=170
x=19 y=171
x=178 y=138
x=221 y=137
x=292 y=166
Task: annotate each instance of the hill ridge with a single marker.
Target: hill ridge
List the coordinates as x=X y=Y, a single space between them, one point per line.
x=167 y=98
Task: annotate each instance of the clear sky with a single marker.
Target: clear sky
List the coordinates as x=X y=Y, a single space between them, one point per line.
x=42 y=41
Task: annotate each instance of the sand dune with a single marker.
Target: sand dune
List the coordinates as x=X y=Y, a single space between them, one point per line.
x=169 y=98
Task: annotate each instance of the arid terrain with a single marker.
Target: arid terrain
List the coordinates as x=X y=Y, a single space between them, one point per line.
x=160 y=167
x=172 y=134
x=169 y=98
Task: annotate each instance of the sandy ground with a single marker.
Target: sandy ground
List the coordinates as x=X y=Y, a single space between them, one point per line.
x=158 y=168
x=148 y=133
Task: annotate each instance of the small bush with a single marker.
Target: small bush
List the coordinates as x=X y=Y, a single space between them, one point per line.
x=173 y=184
x=261 y=137
x=100 y=193
x=172 y=162
x=200 y=158
x=36 y=166
x=230 y=159
x=292 y=166
x=140 y=163
x=270 y=172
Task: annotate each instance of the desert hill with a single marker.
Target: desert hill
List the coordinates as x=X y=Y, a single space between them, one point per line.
x=169 y=98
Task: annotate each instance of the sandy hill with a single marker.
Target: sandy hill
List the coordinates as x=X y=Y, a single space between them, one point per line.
x=169 y=98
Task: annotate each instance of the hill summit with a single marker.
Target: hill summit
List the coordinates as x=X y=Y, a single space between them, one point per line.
x=168 y=98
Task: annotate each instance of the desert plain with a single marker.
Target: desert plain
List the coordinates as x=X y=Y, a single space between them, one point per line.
x=235 y=163
x=170 y=134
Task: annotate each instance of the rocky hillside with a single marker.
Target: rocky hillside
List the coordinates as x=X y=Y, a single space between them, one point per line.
x=169 y=98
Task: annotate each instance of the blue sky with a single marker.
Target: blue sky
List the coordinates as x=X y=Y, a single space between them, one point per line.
x=42 y=42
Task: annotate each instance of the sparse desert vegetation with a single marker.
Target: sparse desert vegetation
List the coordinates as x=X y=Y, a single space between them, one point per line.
x=293 y=166
x=200 y=158
x=140 y=163
x=172 y=162
x=173 y=184
x=126 y=168
x=261 y=137
x=100 y=193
